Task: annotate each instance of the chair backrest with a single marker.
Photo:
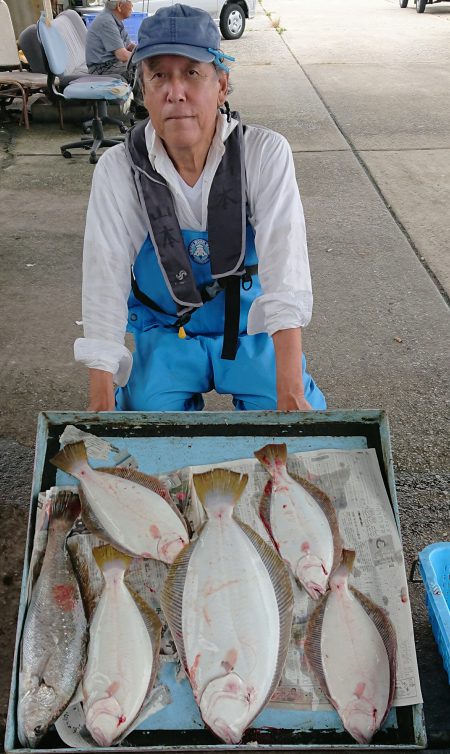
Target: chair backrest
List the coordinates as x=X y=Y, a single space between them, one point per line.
x=54 y=46
x=29 y=44
x=73 y=31
x=9 y=54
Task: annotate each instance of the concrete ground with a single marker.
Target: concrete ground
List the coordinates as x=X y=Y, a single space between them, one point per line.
x=360 y=89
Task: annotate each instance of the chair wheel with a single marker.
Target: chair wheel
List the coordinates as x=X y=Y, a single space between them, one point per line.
x=93 y=158
x=65 y=153
x=123 y=129
x=86 y=129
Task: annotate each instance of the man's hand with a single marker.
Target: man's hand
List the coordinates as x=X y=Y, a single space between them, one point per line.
x=288 y=356
x=291 y=402
x=122 y=54
x=101 y=391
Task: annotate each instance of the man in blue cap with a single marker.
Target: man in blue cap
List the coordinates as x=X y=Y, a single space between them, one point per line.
x=206 y=214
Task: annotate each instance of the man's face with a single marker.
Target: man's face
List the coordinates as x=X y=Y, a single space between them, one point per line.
x=125 y=8
x=182 y=97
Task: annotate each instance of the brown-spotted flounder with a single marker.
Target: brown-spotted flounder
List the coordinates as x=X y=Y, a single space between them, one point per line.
x=228 y=601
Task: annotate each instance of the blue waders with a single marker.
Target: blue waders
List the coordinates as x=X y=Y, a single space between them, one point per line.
x=170 y=373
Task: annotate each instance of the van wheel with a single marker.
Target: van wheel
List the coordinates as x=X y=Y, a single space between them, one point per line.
x=420 y=5
x=232 y=21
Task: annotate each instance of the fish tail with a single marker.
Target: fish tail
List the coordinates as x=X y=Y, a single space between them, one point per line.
x=106 y=554
x=65 y=507
x=70 y=458
x=220 y=481
x=272 y=456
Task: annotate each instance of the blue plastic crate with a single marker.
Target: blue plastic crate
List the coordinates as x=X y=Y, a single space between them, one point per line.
x=434 y=563
x=88 y=18
x=131 y=24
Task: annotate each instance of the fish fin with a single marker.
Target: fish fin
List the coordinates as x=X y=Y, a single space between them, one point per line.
x=70 y=456
x=146 y=480
x=66 y=507
x=220 y=481
x=281 y=581
x=79 y=547
x=348 y=559
x=154 y=628
x=105 y=554
x=269 y=454
x=312 y=647
x=323 y=500
x=265 y=505
x=171 y=598
x=386 y=630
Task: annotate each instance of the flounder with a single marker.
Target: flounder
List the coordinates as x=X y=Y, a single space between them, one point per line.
x=351 y=647
x=302 y=522
x=123 y=653
x=228 y=601
x=125 y=507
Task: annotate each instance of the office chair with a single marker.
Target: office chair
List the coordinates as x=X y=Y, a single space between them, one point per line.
x=97 y=90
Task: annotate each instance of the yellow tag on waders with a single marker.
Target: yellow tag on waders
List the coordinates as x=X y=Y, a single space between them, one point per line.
x=181 y=333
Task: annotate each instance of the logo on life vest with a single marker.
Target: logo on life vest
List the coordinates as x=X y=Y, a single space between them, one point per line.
x=199 y=250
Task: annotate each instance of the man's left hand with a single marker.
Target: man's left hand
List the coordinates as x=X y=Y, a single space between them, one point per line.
x=291 y=402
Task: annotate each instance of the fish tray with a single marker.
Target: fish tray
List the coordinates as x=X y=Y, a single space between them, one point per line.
x=434 y=564
x=173 y=440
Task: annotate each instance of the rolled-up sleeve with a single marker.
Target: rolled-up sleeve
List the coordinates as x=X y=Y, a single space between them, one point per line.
x=276 y=214
x=108 y=253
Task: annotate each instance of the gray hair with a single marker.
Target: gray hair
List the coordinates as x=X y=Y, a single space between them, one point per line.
x=112 y=4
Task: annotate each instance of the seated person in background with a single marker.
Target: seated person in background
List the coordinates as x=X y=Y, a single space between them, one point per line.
x=108 y=46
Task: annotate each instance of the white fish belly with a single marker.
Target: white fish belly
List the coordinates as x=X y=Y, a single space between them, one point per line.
x=299 y=526
x=355 y=660
x=133 y=515
x=120 y=658
x=230 y=614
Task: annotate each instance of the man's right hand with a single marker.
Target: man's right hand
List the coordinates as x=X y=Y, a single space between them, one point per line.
x=101 y=391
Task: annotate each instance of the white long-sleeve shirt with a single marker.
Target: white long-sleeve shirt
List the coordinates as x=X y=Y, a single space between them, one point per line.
x=116 y=231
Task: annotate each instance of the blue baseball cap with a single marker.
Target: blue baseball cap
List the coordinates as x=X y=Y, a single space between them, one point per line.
x=178 y=30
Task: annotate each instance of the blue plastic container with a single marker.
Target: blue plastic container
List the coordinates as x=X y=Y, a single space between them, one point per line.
x=131 y=24
x=434 y=563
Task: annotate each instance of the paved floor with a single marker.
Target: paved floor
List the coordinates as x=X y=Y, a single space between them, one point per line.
x=361 y=92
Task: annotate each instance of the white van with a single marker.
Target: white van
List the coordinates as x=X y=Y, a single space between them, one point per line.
x=229 y=15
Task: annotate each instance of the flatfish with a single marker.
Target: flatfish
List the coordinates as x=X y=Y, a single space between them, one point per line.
x=302 y=522
x=351 y=647
x=125 y=507
x=228 y=602
x=53 y=648
x=124 y=640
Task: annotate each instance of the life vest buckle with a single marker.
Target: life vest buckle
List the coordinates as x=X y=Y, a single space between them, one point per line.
x=247 y=281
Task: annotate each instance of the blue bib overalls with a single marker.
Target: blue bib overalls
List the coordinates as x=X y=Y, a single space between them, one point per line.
x=170 y=373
